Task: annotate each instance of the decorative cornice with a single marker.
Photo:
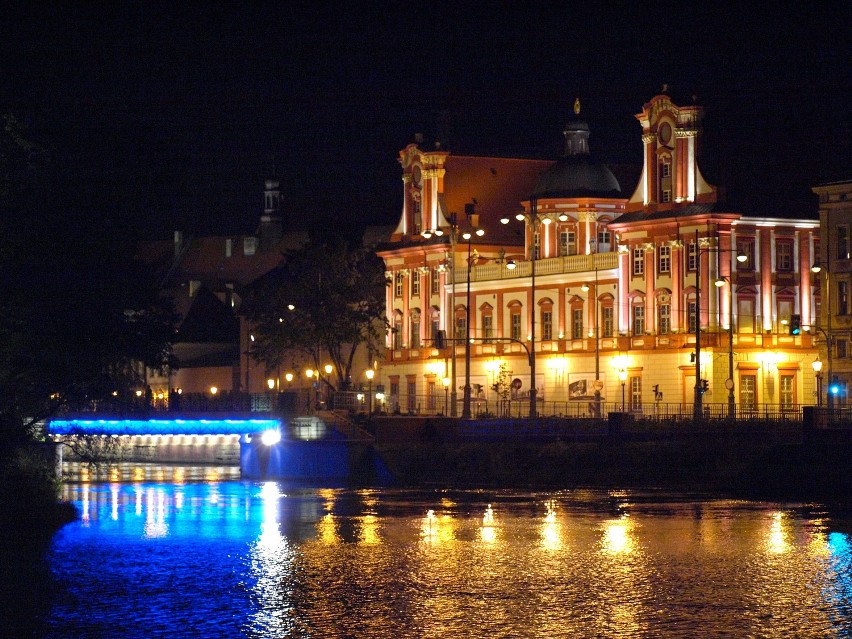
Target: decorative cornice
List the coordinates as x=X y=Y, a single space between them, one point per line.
x=648 y=246
x=705 y=242
x=587 y=216
x=647 y=138
x=432 y=173
x=675 y=243
x=686 y=133
x=623 y=248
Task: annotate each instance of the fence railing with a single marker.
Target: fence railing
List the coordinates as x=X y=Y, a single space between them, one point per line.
x=307 y=402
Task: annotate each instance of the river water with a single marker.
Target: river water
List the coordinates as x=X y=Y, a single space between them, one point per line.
x=225 y=558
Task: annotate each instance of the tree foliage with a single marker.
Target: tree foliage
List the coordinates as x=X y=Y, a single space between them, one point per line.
x=326 y=300
x=76 y=312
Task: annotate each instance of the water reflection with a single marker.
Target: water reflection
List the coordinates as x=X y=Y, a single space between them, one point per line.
x=234 y=559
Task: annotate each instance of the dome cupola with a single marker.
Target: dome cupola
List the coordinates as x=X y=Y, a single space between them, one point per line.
x=577 y=174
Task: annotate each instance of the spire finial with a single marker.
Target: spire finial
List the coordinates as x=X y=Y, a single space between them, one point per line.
x=577 y=106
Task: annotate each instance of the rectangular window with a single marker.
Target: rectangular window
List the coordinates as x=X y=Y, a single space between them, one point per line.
x=488 y=328
x=567 y=243
x=547 y=325
x=664 y=262
x=842 y=242
x=414 y=342
x=665 y=323
x=667 y=195
x=788 y=392
x=415 y=284
x=516 y=326
x=577 y=323
x=435 y=327
x=666 y=169
x=638 y=320
x=748 y=386
x=397 y=285
x=394 y=395
x=638 y=261
x=412 y=397
x=436 y=281
x=461 y=326
x=745 y=316
x=608 y=321
x=784 y=256
x=785 y=311
x=691 y=255
x=635 y=393
x=843 y=298
x=745 y=246
x=841 y=348
x=604 y=242
x=691 y=315
x=431 y=397
x=397 y=335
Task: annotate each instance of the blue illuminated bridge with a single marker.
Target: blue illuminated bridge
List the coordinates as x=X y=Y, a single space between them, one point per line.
x=309 y=448
x=173 y=426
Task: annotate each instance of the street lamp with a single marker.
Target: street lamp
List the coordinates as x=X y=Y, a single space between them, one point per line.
x=817 y=268
x=729 y=383
x=473 y=220
x=446 y=383
x=817 y=366
x=370 y=373
x=532 y=220
x=622 y=376
x=699 y=388
x=597 y=330
x=453 y=238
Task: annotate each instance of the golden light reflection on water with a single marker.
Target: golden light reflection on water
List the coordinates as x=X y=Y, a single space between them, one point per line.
x=329 y=563
x=777 y=538
x=551 y=529
x=488 y=530
x=327 y=530
x=617 y=537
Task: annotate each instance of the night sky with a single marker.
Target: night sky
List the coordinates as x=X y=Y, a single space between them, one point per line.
x=172 y=115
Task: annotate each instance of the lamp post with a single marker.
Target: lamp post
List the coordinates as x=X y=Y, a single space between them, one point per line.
x=453 y=238
x=370 y=373
x=597 y=330
x=446 y=383
x=473 y=220
x=699 y=388
x=622 y=375
x=817 y=268
x=532 y=221
x=817 y=366
x=729 y=383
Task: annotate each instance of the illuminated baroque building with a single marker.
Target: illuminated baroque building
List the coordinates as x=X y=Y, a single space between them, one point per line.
x=606 y=288
x=834 y=280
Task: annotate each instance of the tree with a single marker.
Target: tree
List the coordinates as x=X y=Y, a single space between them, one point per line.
x=77 y=314
x=327 y=299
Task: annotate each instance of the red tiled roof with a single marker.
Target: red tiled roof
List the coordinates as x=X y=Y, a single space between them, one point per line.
x=499 y=185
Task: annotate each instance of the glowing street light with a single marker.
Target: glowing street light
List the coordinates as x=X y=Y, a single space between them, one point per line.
x=370 y=373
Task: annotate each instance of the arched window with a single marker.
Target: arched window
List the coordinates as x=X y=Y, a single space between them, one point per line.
x=414 y=329
x=515 y=319
x=546 y=319
x=397 y=330
x=486 y=315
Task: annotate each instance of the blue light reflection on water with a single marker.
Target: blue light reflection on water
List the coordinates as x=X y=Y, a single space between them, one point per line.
x=236 y=559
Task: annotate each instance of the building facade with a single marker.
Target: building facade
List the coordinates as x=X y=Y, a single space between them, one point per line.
x=519 y=282
x=833 y=279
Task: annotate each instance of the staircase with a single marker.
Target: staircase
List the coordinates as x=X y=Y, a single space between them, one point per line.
x=339 y=421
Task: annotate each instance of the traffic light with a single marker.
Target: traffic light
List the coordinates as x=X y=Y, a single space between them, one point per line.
x=795 y=324
x=705 y=386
